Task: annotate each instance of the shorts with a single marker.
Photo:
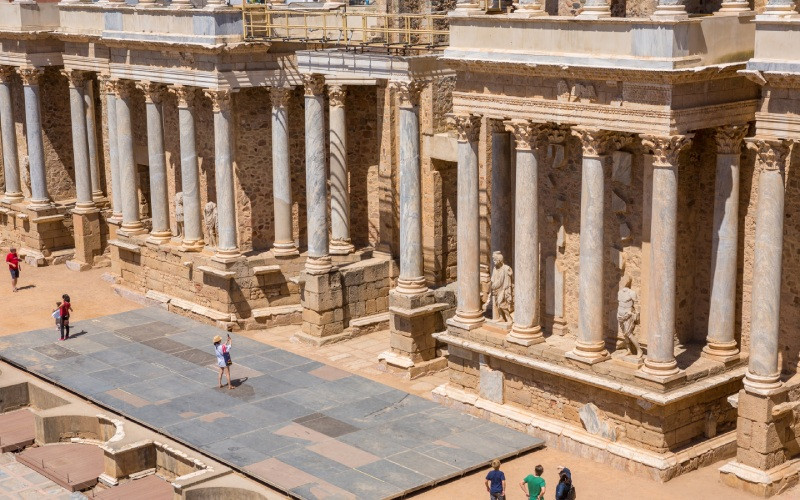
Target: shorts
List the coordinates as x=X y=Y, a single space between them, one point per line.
x=14 y=273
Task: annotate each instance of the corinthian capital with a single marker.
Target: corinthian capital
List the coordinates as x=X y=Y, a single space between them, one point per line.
x=772 y=154
x=408 y=92
x=336 y=95
x=77 y=78
x=314 y=84
x=7 y=73
x=124 y=88
x=31 y=76
x=185 y=95
x=220 y=99
x=666 y=149
x=280 y=96
x=729 y=139
x=107 y=84
x=526 y=133
x=153 y=92
x=596 y=142
x=467 y=126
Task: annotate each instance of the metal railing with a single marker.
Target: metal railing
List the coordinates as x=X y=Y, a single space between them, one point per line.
x=413 y=32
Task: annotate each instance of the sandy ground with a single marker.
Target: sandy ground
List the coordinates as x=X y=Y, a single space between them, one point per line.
x=30 y=308
x=40 y=288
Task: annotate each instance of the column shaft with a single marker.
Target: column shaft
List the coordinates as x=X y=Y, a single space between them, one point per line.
x=339 y=177
x=411 y=280
x=33 y=128
x=128 y=178
x=319 y=261
x=91 y=139
x=469 y=307
x=13 y=189
x=80 y=152
x=763 y=370
x=281 y=174
x=159 y=208
x=113 y=148
x=223 y=168
x=190 y=179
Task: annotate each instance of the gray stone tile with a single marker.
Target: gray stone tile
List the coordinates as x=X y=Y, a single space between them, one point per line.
x=114 y=357
x=192 y=432
x=164 y=344
x=84 y=345
x=232 y=452
x=425 y=465
x=308 y=461
x=324 y=424
x=195 y=356
x=379 y=442
x=296 y=378
x=144 y=370
x=259 y=363
x=363 y=485
x=55 y=351
x=281 y=409
x=116 y=376
x=264 y=441
x=285 y=358
x=111 y=340
x=458 y=457
x=395 y=474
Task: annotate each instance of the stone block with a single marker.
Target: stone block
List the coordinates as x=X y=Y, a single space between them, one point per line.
x=491 y=384
x=593 y=422
x=755 y=407
x=765 y=437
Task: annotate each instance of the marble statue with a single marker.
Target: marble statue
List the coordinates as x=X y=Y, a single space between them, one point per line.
x=179 y=213
x=501 y=290
x=627 y=316
x=210 y=217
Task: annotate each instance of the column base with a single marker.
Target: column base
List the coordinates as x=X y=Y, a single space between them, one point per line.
x=661 y=372
x=670 y=13
x=227 y=254
x=39 y=204
x=159 y=237
x=193 y=246
x=318 y=265
x=97 y=195
x=341 y=247
x=525 y=335
x=763 y=385
x=411 y=286
x=13 y=198
x=132 y=228
x=600 y=12
x=724 y=352
x=285 y=249
x=84 y=209
x=588 y=353
x=467 y=320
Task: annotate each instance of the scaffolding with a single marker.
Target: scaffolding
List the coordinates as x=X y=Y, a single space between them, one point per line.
x=343 y=28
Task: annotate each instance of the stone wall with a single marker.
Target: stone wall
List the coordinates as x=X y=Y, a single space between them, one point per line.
x=363 y=157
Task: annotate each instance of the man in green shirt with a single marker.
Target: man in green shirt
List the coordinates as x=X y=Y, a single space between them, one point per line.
x=534 y=486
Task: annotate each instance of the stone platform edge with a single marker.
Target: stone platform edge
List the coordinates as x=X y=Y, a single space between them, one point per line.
x=577 y=441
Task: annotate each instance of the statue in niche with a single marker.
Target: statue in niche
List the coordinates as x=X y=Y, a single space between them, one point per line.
x=179 y=213
x=627 y=316
x=501 y=295
x=210 y=216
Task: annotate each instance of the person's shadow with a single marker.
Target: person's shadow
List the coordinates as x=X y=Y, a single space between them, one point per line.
x=26 y=287
x=77 y=334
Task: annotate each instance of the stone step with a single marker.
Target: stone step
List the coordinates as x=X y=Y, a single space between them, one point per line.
x=291 y=314
x=370 y=324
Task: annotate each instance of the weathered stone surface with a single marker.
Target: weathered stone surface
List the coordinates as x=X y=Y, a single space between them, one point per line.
x=593 y=422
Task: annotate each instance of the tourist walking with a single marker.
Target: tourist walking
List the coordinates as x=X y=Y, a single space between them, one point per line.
x=533 y=485
x=56 y=314
x=65 y=308
x=564 y=489
x=13 y=266
x=223 y=352
x=496 y=482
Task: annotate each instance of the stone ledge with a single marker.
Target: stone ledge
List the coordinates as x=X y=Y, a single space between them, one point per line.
x=270 y=312
x=419 y=311
x=48 y=218
x=558 y=434
x=131 y=247
x=404 y=366
x=764 y=483
x=259 y=270
x=201 y=310
x=373 y=322
x=216 y=272
x=655 y=397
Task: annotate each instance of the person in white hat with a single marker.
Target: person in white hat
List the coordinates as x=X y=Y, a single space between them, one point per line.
x=223 y=352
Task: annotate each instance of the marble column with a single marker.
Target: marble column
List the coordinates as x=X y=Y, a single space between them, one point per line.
x=319 y=260
x=109 y=87
x=284 y=244
x=502 y=211
x=128 y=178
x=91 y=139
x=80 y=151
x=159 y=199
x=411 y=280
x=526 y=329
x=13 y=188
x=721 y=340
x=33 y=127
x=763 y=371
x=590 y=341
x=660 y=362
x=227 y=246
x=339 y=178
x=469 y=309
x=190 y=176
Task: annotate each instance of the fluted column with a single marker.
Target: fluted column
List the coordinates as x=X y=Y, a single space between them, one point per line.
x=526 y=329
x=159 y=199
x=91 y=139
x=763 y=371
x=319 y=260
x=227 y=246
x=284 y=244
x=128 y=178
x=109 y=87
x=80 y=151
x=660 y=362
x=411 y=280
x=13 y=188
x=339 y=177
x=190 y=177
x=721 y=340
x=469 y=308
x=33 y=127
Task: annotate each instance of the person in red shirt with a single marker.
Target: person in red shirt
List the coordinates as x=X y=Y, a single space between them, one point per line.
x=65 y=309
x=13 y=265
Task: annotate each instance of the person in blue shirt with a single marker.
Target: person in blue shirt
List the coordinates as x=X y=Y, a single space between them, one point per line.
x=496 y=482
x=564 y=490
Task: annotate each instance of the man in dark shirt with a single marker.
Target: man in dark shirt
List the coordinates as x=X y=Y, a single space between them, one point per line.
x=496 y=482
x=13 y=266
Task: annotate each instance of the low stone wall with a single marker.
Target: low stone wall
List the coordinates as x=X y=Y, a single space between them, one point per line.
x=366 y=287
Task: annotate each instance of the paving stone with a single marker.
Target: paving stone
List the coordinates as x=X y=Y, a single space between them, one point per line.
x=111 y=340
x=393 y=473
x=55 y=351
x=327 y=425
x=425 y=465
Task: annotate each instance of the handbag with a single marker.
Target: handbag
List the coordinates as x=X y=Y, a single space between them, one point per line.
x=226 y=355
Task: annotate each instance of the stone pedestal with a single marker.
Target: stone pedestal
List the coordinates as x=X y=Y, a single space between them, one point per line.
x=413 y=321
x=86 y=226
x=322 y=300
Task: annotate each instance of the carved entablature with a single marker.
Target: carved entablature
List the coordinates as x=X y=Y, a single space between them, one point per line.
x=771 y=154
x=729 y=138
x=577 y=91
x=656 y=94
x=666 y=149
x=596 y=142
x=466 y=126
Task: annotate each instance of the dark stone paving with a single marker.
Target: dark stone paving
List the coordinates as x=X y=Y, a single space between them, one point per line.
x=302 y=426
